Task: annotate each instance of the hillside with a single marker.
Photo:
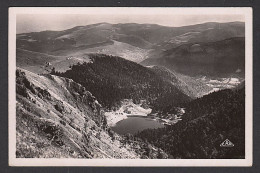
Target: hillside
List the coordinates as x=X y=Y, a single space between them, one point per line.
x=159 y=35
x=188 y=85
x=42 y=63
x=116 y=48
x=58 y=118
x=139 y=40
x=198 y=86
x=74 y=86
x=207 y=32
x=222 y=58
x=207 y=122
x=112 y=79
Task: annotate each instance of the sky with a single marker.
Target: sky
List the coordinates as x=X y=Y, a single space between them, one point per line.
x=41 y=22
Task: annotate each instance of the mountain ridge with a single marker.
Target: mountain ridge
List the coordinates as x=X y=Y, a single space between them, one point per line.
x=143 y=36
x=58 y=118
x=112 y=79
x=234 y=22
x=210 y=58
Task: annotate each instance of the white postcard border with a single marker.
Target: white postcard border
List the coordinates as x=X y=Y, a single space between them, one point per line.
x=246 y=11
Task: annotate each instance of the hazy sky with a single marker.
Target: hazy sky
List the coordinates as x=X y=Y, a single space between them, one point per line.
x=40 y=22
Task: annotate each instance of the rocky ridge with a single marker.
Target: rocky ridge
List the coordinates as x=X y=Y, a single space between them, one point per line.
x=58 y=118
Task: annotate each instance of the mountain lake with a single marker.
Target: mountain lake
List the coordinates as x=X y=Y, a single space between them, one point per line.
x=133 y=124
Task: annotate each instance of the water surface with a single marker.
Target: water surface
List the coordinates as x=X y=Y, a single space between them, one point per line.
x=133 y=124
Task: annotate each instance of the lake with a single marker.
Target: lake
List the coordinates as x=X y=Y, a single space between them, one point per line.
x=133 y=124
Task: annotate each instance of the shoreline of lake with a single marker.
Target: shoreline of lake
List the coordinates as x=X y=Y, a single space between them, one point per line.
x=135 y=123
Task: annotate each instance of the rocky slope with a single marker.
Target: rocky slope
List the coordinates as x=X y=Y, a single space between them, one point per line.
x=58 y=118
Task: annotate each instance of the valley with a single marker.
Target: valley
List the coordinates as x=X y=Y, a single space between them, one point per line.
x=129 y=91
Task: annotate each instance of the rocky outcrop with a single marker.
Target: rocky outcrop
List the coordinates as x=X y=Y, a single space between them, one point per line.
x=58 y=118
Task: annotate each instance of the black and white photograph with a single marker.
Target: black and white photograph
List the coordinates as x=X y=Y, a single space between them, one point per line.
x=130 y=86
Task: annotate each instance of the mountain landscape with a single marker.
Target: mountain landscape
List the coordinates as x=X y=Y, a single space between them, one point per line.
x=135 y=42
x=57 y=117
x=131 y=90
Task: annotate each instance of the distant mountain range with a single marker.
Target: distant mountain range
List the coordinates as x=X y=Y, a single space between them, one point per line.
x=220 y=59
x=135 y=42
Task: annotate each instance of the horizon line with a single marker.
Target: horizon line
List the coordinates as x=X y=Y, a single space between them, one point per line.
x=130 y=23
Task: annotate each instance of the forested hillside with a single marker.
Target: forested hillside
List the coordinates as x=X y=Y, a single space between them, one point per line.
x=112 y=79
x=58 y=118
x=208 y=121
x=188 y=85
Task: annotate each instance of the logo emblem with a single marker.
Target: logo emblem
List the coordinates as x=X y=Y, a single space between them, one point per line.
x=227 y=143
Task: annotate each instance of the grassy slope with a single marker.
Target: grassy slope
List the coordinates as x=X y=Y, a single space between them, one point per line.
x=116 y=48
x=57 y=117
x=42 y=63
